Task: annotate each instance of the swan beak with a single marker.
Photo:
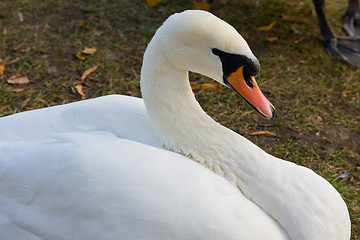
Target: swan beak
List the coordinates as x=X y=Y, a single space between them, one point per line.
x=246 y=86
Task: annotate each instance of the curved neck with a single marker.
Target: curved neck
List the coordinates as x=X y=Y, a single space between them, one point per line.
x=281 y=188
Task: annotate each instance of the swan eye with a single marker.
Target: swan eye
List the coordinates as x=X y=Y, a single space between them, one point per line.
x=231 y=62
x=247 y=78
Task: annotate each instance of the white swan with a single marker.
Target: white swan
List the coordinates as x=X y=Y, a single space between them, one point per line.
x=97 y=169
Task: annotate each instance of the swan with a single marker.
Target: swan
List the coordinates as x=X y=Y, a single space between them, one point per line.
x=120 y=167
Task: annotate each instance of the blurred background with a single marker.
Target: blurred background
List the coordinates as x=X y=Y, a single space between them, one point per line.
x=59 y=51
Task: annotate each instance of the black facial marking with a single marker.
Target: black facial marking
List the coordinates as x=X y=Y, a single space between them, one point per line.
x=231 y=62
x=247 y=78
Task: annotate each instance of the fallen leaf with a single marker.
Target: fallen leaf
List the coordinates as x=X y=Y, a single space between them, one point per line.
x=153 y=3
x=83 y=25
x=25 y=49
x=212 y=86
x=4 y=31
x=16 y=90
x=87 y=72
x=263 y=133
x=2 y=67
x=300 y=3
x=130 y=93
x=14 y=61
x=298 y=40
x=318 y=119
x=79 y=89
x=195 y=87
x=272 y=39
x=267 y=28
x=81 y=56
x=201 y=5
x=85 y=53
x=89 y=51
x=326 y=140
x=205 y=86
x=17 y=79
x=24 y=103
x=345 y=93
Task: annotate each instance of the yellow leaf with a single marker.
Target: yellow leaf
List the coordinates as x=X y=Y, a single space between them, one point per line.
x=81 y=56
x=201 y=5
x=87 y=72
x=153 y=3
x=263 y=133
x=268 y=27
x=212 y=86
x=206 y=86
x=17 y=79
x=2 y=67
x=79 y=89
x=83 y=25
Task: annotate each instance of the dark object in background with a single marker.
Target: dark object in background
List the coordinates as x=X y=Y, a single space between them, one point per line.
x=347 y=48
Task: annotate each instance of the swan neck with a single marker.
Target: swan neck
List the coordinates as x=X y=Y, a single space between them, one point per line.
x=185 y=128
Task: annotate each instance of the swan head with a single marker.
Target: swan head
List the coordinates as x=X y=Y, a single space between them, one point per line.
x=198 y=41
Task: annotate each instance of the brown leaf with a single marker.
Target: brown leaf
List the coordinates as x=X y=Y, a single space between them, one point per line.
x=201 y=5
x=24 y=103
x=298 y=40
x=267 y=28
x=79 y=89
x=25 y=49
x=130 y=93
x=85 y=53
x=17 y=79
x=87 y=72
x=89 y=51
x=153 y=3
x=271 y=39
x=263 y=133
x=195 y=87
x=16 y=90
x=326 y=140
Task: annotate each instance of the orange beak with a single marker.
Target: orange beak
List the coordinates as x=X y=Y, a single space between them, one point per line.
x=250 y=91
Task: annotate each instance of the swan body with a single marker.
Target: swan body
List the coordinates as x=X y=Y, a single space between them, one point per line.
x=120 y=167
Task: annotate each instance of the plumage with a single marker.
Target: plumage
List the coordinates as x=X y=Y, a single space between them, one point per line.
x=119 y=167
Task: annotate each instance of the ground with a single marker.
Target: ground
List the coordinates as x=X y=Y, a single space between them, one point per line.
x=317 y=97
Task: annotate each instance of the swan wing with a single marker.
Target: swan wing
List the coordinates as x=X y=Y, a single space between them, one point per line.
x=68 y=172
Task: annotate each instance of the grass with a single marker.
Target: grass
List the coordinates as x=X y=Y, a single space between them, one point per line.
x=317 y=97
